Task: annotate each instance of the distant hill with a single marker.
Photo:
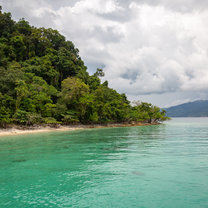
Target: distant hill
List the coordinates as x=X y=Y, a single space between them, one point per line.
x=192 y=109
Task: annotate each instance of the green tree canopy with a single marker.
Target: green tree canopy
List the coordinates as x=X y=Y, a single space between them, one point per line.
x=44 y=80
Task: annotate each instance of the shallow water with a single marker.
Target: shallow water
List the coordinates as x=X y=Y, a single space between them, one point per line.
x=146 y=167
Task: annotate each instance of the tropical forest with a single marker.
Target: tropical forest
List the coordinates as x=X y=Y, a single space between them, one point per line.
x=43 y=80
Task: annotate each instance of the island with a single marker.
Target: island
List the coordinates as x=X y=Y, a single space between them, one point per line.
x=44 y=81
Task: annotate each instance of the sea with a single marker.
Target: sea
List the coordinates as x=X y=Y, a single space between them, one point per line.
x=160 y=166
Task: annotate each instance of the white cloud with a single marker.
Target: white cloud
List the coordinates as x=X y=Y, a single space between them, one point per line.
x=96 y=6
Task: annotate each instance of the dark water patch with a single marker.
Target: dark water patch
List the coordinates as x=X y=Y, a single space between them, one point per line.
x=19 y=160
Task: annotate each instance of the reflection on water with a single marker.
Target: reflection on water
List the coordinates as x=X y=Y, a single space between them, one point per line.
x=150 y=166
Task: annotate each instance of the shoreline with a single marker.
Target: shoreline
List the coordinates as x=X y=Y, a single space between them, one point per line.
x=19 y=130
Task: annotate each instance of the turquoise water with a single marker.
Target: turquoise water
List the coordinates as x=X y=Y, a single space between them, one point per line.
x=146 y=167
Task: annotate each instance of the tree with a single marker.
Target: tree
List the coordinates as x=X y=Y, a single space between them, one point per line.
x=73 y=96
x=23 y=27
x=6 y=105
x=99 y=73
x=143 y=111
x=42 y=67
x=7 y=25
x=19 y=47
x=72 y=89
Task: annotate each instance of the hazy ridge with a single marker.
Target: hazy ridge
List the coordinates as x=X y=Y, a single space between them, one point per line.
x=197 y=108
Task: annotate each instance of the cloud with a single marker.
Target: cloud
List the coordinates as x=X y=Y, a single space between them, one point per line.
x=164 y=51
x=148 y=49
x=182 y=6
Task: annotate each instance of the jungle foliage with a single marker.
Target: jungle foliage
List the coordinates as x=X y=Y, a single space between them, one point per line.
x=44 y=80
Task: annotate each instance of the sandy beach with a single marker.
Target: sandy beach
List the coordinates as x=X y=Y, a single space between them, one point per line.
x=15 y=131
x=40 y=129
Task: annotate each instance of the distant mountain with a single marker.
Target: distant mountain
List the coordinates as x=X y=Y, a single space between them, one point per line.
x=192 y=109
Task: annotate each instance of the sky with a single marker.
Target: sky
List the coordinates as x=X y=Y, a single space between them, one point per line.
x=153 y=50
